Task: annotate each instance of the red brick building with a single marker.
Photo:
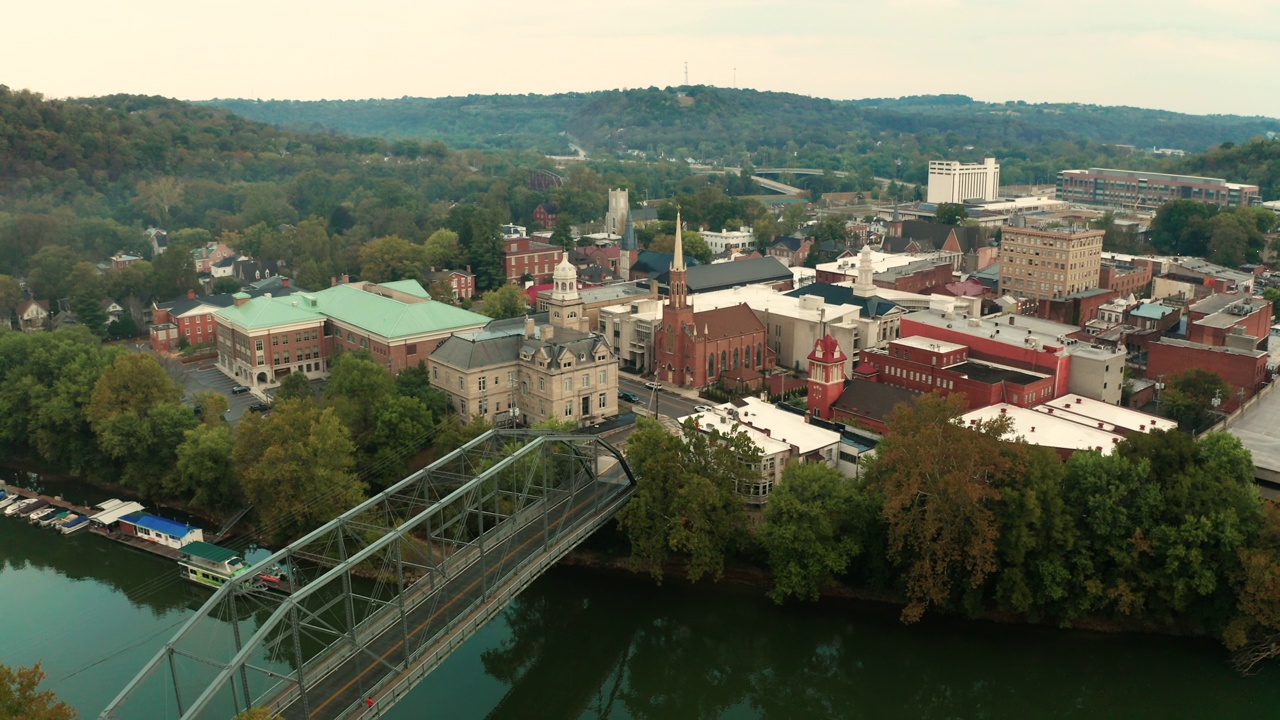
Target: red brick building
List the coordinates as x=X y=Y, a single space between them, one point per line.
x=545 y=215
x=463 y=282
x=1241 y=368
x=524 y=256
x=1236 y=320
x=826 y=376
x=1124 y=278
x=924 y=365
x=725 y=346
x=1077 y=309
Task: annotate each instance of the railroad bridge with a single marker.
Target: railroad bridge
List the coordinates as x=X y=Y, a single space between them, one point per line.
x=386 y=591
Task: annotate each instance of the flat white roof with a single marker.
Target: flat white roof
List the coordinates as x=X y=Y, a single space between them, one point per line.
x=1039 y=428
x=718 y=419
x=881 y=261
x=782 y=425
x=763 y=297
x=106 y=517
x=1085 y=410
x=924 y=343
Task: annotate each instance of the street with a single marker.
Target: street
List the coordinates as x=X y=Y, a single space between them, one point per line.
x=668 y=403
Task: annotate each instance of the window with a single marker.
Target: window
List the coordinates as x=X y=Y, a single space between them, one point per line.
x=411 y=349
x=511 y=378
x=297 y=337
x=586 y=380
x=483 y=407
x=568 y=384
x=542 y=385
x=711 y=367
x=286 y=357
x=258 y=342
x=604 y=400
x=462 y=385
x=483 y=383
x=435 y=373
x=275 y=358
x=604 y=377
x=568 y=408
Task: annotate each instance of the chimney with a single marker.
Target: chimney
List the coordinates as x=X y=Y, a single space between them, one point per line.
x=528 y=327
x=191 y=294
x=284 y=282
x=333 y=281
x=345 y=278
x=548 y=333
x=240 y=298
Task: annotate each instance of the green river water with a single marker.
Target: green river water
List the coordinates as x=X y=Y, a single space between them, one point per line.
x=580 y=644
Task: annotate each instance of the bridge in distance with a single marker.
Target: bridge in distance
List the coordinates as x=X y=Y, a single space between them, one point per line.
x=386 y=591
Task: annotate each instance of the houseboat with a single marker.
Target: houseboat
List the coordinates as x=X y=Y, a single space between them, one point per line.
x=163 y=531
x=209 y=564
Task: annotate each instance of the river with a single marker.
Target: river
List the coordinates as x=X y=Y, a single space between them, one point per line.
x=580 y=644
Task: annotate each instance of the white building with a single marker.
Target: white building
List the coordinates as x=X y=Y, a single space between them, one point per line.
x=741 y=239
x=955 y=182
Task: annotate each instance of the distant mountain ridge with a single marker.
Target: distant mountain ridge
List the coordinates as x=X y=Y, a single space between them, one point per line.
x=721 y=121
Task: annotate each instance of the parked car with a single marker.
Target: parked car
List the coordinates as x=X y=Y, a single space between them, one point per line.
x=628 y=396
x=702 y=408
x=259 y=407
x=237 y=389
x=653 y=385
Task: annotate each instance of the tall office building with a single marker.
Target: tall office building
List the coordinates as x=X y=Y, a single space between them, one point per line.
x=1047 y=264
x=955 y=182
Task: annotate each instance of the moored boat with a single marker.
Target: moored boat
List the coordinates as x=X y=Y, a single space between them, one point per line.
x=38 y=516
x=18 y=507
x=27 y=509
x=210 y=564
x=74 y=525
x=9 y=499
x=55 y=517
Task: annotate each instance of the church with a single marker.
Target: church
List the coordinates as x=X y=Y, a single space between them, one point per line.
x=727 y=346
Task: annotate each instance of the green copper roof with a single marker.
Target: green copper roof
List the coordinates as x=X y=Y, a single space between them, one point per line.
x=207 y=551
x=393 y=319
x=375 y=314
x=409 y=287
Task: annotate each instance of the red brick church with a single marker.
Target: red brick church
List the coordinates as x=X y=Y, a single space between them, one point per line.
x=697 y=349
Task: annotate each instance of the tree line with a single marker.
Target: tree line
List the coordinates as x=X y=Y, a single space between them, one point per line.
x=1165 y=533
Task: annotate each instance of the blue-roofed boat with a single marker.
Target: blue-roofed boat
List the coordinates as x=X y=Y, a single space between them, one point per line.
x=74 y=525
x=163 y=531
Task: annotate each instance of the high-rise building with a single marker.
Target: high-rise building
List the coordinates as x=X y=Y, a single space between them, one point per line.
x=955 y=182
x=1149 y=190
x=1045 y=264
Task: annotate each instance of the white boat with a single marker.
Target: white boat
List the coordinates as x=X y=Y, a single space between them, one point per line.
x=44 y=512
x=55 y=517
x=14 y=508
x=9 y=499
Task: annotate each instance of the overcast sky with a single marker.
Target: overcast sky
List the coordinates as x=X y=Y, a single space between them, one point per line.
x=1198 y=56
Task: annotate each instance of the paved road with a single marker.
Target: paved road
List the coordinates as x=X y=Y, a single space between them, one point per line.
x=669 y=403
x=351 y=681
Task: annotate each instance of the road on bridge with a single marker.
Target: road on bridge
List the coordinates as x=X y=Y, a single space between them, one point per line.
x=345 y=689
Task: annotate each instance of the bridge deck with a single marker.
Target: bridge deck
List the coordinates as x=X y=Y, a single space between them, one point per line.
x=477 y=589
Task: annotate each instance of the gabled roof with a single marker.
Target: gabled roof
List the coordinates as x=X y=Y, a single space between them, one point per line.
x=787 y=241
x=872 y=399
x=159 y=524
x=727 y=322
x=391 y=318
x=718 y=276
x=969 y=237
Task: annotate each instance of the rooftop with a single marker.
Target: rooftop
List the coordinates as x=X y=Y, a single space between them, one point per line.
x=1085 y=410
x=1215 y=348
x=159 y=524
x=615 y=293
x=210 y=552
x=991 y=373
x=1013 y=330
x=1039 y=428
x=1151 y=310
x=718 y=276
x=782 y=425
x=720 y=420
x=924 y=343
x=764 y=298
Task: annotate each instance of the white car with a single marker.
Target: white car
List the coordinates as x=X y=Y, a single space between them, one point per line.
x=653 y=385
x=702 y=408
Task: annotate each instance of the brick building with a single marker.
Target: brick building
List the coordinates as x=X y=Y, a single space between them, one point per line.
x=1149 y=190
x=463 y=282
x=192 y=318
x=1078 y=308
x=1242 y=369
x=525 y=256
x=696 y=349
x=1125 y=278
x=545 y=215
x=1230 y=319
x=925 y=365
x=1049 y=263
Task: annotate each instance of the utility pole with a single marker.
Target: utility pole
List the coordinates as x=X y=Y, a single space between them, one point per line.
x=686 y=73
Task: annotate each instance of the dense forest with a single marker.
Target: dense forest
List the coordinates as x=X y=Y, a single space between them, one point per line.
x=890 y=138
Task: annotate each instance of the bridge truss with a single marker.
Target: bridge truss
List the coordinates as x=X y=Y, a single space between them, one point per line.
x=385 y=592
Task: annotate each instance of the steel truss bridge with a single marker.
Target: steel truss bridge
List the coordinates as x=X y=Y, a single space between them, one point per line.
x=386 y=591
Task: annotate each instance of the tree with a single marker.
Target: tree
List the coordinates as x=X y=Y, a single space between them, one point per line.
x=685 y=499
x=1181 y=227
x=415 y=382
x=86 y=298
x=50 y=268
x=935 y=479
x=226 y=285
x=390 y=258
x=950 y=214
x=807 y=529
x=830 y=229
x=21 y=698
x=1190 y=396
x=295 y=467
x=138 y=421
x=172 y=272
x=479 y=234
x=158 y=197
x=211 y=406
x=1273 y=294
x=295 y=386
x=205 y=469
x=258 y=713
x=1229 y=239
x=507 y=301
x=10 y=294
x=441 y=250
x=693 y=244
x=561 y=236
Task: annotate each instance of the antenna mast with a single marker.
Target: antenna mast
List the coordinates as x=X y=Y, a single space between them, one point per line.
x=686 y=72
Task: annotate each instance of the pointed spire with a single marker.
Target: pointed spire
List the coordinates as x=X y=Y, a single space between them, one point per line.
x=629 y=235
x=678 y=262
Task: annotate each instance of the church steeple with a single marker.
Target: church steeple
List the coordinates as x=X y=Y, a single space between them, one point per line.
x=564 y=304
x=865 y=286
x=678 y=283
